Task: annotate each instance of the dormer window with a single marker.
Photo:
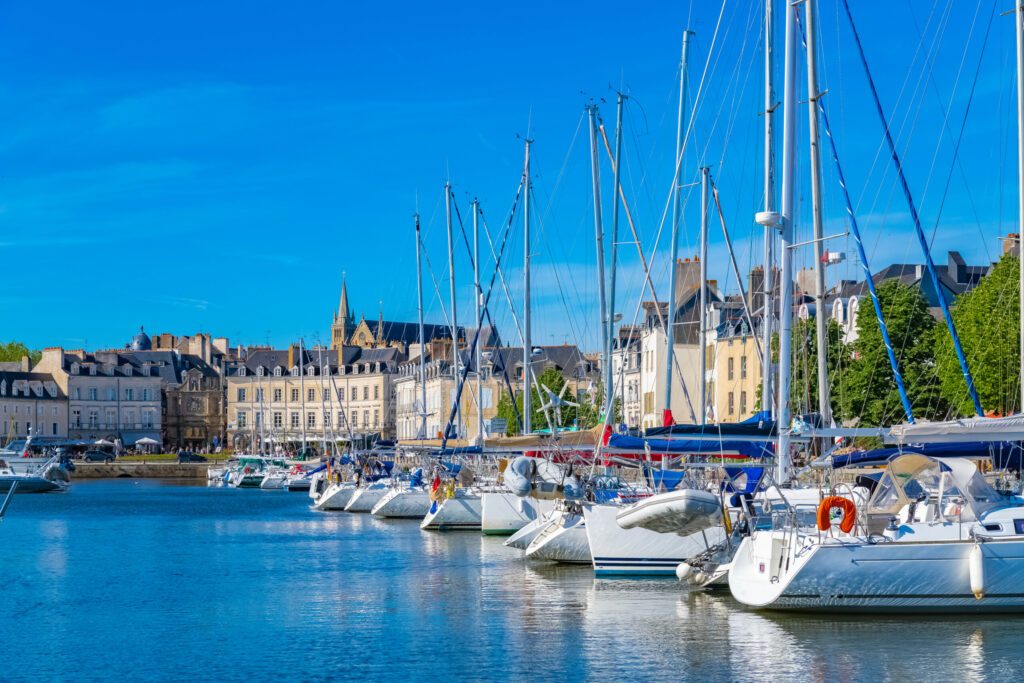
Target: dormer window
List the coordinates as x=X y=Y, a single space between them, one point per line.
x=311 y=370
x=127 y=371
x=277 y=371
x=241 y=371
x=75 y=368
x=260 y=371
x=51 y=389
x=145 y=371
x=3 y=388
x=295 y=371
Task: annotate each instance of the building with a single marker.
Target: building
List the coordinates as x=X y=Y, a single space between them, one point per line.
x=290 y=396
x=734 y=375
x=111 y=395
x=31 y=403
x=626 y=359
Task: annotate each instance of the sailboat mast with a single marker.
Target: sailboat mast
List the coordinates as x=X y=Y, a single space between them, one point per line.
x=702 y=333
x=478 y=294
x=302 y=394
x=527 y=342
x=423 y=361
x=595 y=178
x=786 y=252
x=768 y=218
x=1020 y=187
x=820 y=319
x=674 y=250
x=451 y=288
x=616 y=183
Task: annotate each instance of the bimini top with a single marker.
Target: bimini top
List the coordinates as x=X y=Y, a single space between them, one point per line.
x=915 y=478
x=958 y=431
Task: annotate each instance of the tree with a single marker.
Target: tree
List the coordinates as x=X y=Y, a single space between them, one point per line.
x=868 y=384
x=804 y=384
x=13 y=351
x=551 y=378
x=987 y=320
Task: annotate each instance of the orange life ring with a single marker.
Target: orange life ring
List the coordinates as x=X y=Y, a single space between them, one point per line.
x=825 y=513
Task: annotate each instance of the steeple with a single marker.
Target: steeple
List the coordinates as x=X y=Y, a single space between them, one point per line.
x=344 y=323
x=380 y=323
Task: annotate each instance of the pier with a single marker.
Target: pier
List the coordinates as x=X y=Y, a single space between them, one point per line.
x=141 y=470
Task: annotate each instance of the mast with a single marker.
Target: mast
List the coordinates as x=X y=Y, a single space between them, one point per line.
x=768 y=218
x=527 y=343
x=595 y=177
x=477 y=299
x=674 y=251
x=608 y=397
x=820 y=319
x=1020 y=186
x=786 y=252
x=702 y=333
x=302 y=394
x=451 y=287
x=423 y=362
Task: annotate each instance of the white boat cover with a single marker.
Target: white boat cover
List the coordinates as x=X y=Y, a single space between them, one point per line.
x=964 y=430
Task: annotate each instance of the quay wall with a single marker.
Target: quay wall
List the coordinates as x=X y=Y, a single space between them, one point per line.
x=140 y=470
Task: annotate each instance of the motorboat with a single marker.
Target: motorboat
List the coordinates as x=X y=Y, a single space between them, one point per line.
x=934 y=536
x=47 y=477
x=276 y=478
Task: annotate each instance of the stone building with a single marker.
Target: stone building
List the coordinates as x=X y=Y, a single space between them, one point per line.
x=287 y=396
x=31 y=403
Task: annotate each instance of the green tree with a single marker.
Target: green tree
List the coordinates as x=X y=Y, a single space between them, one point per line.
x=987 y=320
x=587 y=414
x=868 y=385
x=804 y=383
x=13 y=351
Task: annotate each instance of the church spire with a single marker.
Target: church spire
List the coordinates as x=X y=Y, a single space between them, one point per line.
x=344 y=323
x=344 y=312
x=380 y=323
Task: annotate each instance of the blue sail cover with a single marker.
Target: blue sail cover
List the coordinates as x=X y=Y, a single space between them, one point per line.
x=1004 y=454
x=759 y=424
x=461 y=450
x=747 y=449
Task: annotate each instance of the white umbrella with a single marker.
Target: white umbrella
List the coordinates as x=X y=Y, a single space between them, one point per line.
x=103 y=442
x=147 y=441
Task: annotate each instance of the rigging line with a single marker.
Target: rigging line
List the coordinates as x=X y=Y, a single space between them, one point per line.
x=647 y=273
x=736 y=268
x=869 y=280
x=968 y=378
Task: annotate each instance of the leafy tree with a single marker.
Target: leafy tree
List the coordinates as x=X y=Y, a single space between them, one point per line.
x=13 y=351
x=587 y=415
x=987 y=320
x=868 y=384
x=804 y=383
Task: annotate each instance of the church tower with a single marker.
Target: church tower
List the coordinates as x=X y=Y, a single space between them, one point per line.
x=344 y=322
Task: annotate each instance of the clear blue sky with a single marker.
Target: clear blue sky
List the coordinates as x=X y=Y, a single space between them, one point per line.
x=216 y=166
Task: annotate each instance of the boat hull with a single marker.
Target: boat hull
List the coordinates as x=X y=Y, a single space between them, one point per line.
x=637 y=551
x=403 y=504
x=335 y=498
x=901 y=577
x=459 y=513
x=564 y=540
x=366 y=497
x=503 y=513
x=29 y=484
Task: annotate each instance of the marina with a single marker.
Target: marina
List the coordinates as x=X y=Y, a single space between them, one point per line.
x=374 y=598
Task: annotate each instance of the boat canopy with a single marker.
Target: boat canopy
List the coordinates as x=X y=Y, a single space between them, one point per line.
x=1003 y=454
x=743 y=480
x=913 y=478
x=758 y=426
x=959 y=431
x=720 y=446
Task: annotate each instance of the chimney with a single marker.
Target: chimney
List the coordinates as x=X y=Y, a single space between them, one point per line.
x=755 y=288
x=1011 y=244
x=957 y=267
x=806 y=282
x=26 y=364
x=687 y=278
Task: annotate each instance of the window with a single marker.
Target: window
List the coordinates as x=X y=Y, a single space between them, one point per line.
x=327 y=419
x=743 y=403
x=743 y=371
x=92 y=394
x=241 y=394
x=260 y=371
x=376 y=392
x=54 y=430
x=310 y=394
x=376 y=418
x=111 y=394
x=76 y=418
x=311 y=419
x=277 y=371
x=147 y=418
x=732 y=403
x=145 y=394
x=341 y=419
x=259 y=419
x=341 y=394
x=241 y=371
x=129 y=394
x=730 y=371
x=366 y=393
x=278 y=420
x=78 y=393
x=366 y=418
x=295 y=421
x=277 y=395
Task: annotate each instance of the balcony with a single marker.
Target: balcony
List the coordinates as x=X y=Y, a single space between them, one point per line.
x=114 y=427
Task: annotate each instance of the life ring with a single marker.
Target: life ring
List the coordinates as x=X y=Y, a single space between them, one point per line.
x=848 y=508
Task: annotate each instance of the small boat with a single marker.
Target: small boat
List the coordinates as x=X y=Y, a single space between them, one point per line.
x=504 y=513
x=44 y=479
x=683 y=512
x=364 y=498
x=457 y=509
x=564 y=539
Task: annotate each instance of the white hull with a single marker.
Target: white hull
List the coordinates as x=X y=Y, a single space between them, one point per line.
x=524 y=537
x=273 y=482
x=335 y=498
x=503 y=512
x=848 y=575
x=564 y=539
x=460 y=512
x=403 y=504
x=365 y=497
x=639 y=552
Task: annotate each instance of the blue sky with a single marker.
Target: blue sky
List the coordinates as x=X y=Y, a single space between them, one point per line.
x=217 y=166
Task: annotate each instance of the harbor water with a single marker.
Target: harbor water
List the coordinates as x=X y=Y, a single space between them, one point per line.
x=146 y=580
